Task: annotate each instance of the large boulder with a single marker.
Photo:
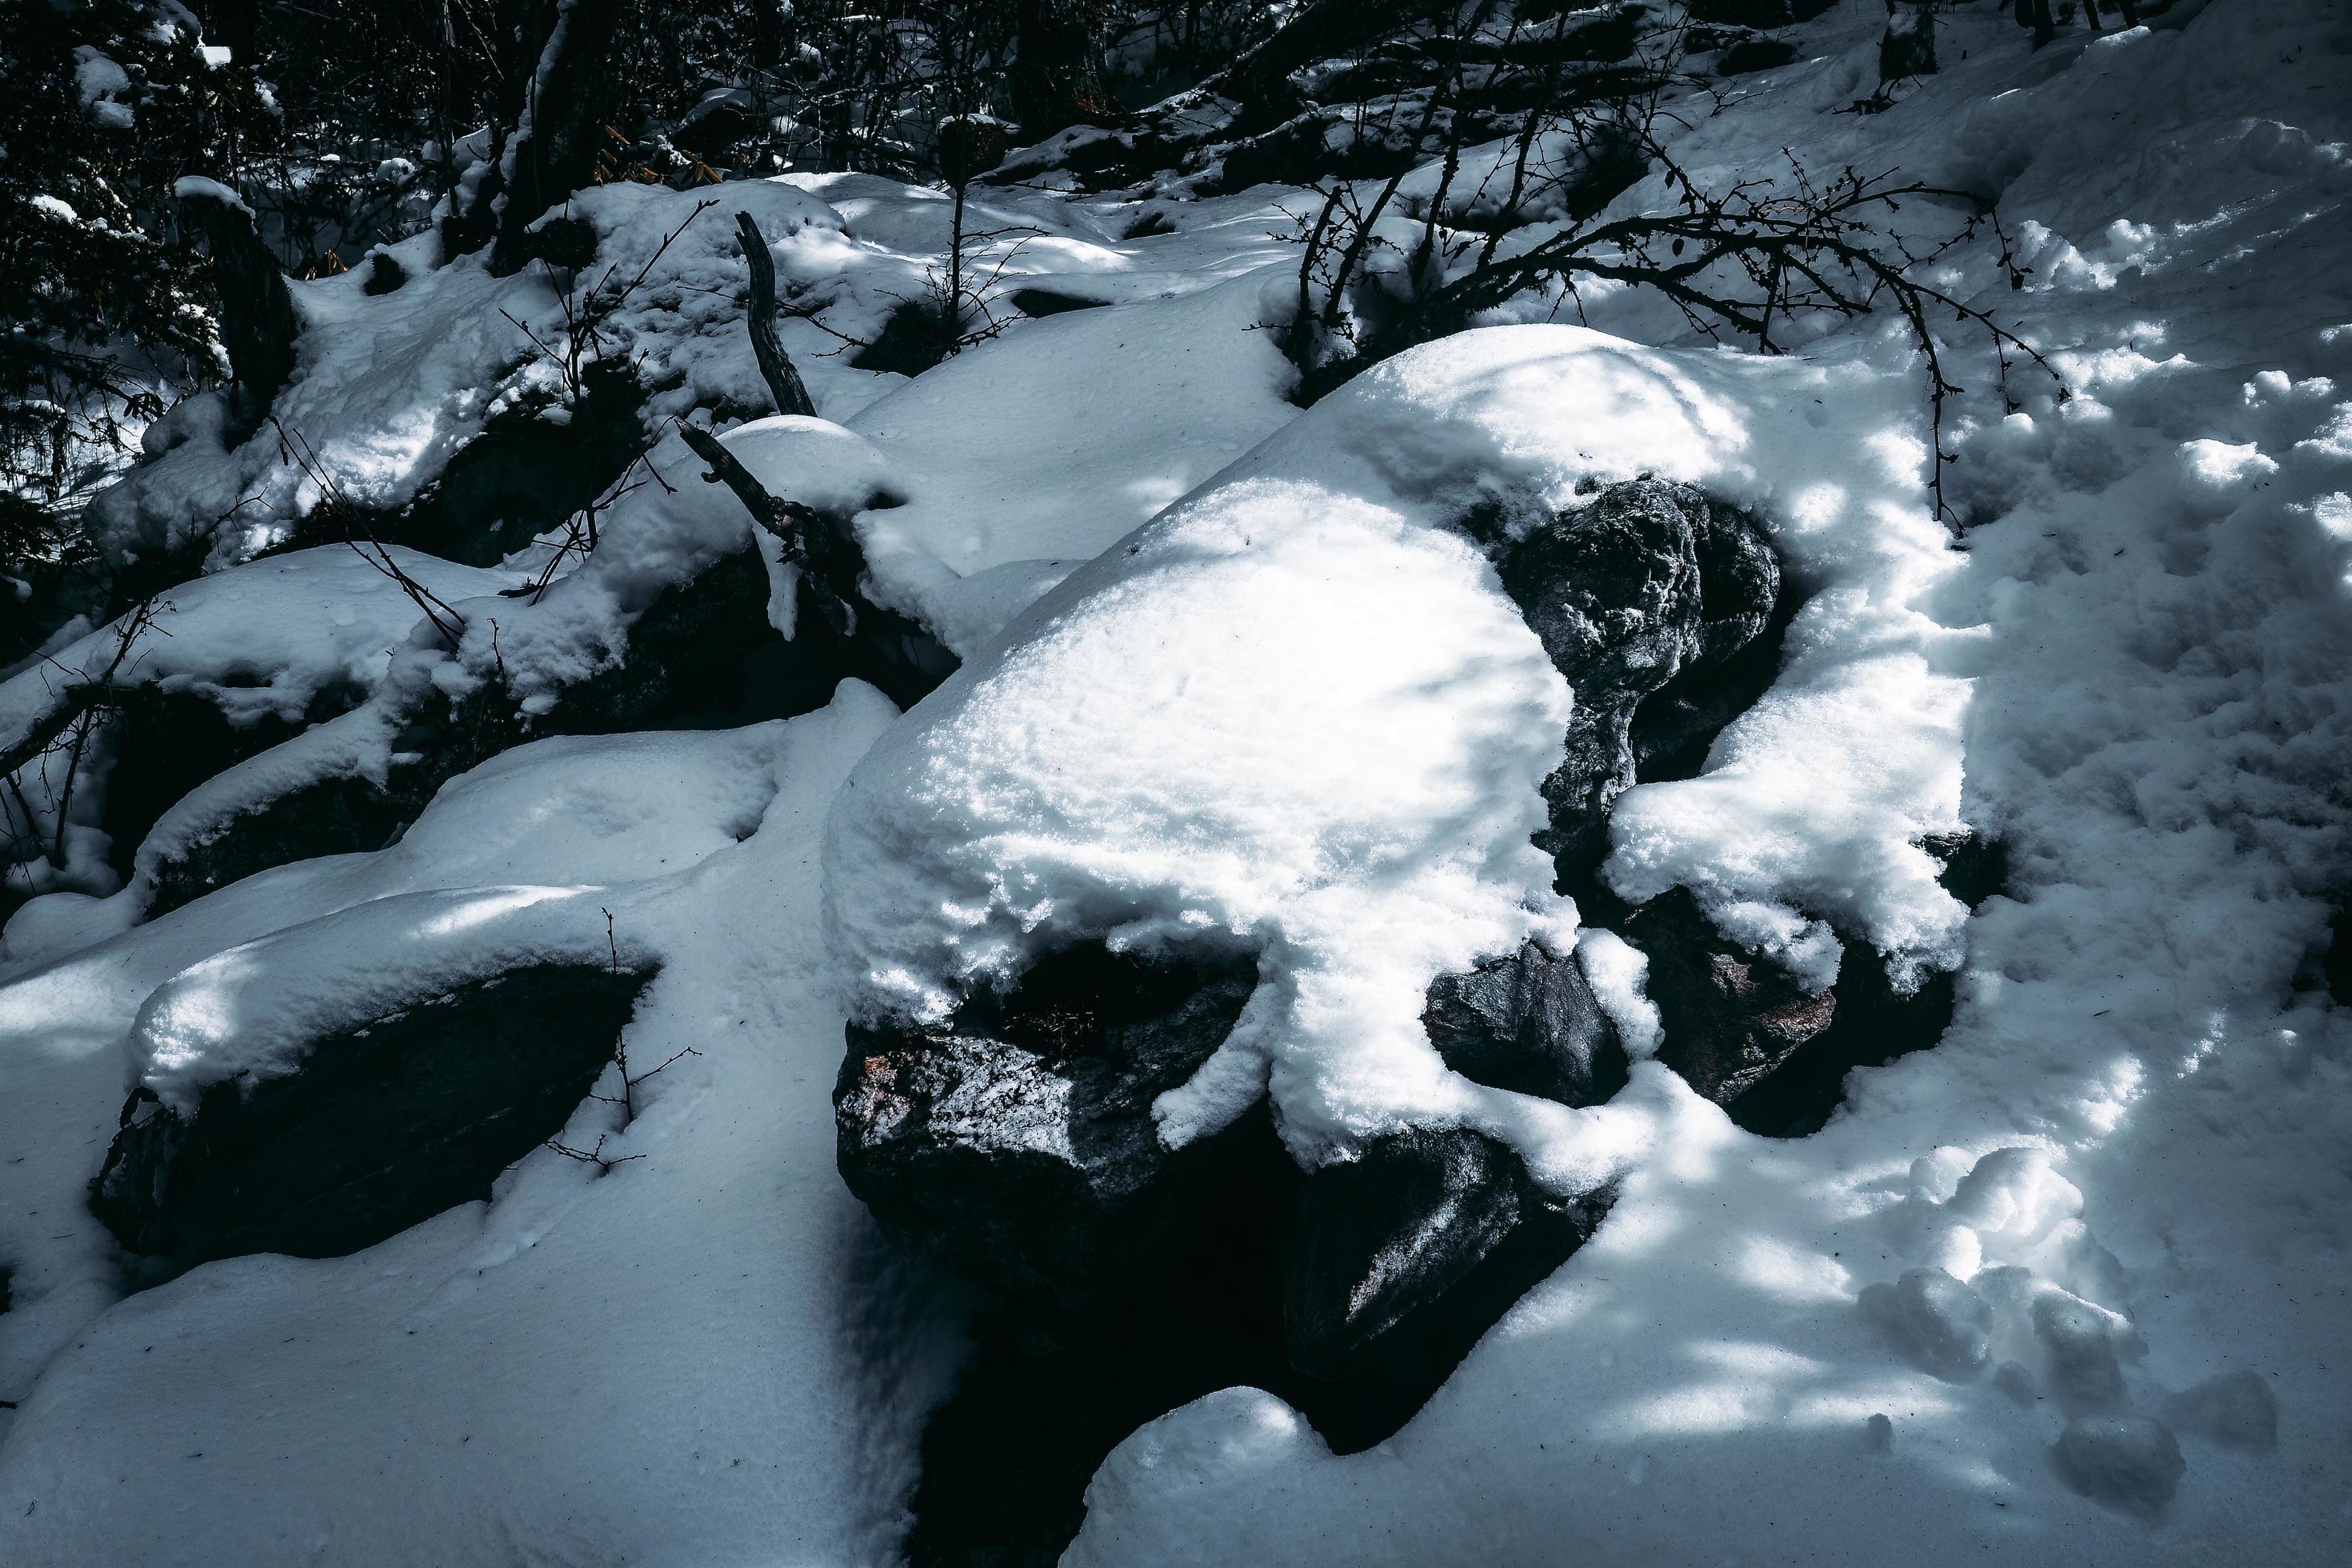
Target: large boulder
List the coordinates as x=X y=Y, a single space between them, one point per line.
x=1400 y=1258
x=386 y=1123
x=1016 y=1145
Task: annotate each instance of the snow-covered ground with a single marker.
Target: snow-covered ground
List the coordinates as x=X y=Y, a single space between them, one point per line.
x=1229 y=679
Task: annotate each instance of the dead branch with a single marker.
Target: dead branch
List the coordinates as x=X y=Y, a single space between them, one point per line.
x=767 y=342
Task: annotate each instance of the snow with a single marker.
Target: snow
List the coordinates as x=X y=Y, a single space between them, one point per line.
x=695 y=1359
x=2067 y=1288
x=196 y=187
x=1019 y=458
x=2145 y=664
x=1215 y=729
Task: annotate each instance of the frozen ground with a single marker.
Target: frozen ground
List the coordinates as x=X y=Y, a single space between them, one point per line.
x=1290 y=714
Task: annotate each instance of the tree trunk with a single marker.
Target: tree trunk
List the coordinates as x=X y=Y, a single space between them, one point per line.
x=552 y=151
x=258 y=321
x=1057 y=67
x=1259 y=80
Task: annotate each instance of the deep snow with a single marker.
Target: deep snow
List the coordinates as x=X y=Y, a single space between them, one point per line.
x=1290 y=714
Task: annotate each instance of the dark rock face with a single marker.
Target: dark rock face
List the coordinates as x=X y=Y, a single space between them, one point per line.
x=1647 y=584
x=1400 y=1258
x=1874 y=1022
x=385 y=1125
x=1047 y=1393
x=1529 y=1023
x=1017 y=1145
x=1730 y=1017
x=385 y=275
x=169 y=741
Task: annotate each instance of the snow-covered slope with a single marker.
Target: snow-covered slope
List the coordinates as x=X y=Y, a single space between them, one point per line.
x=1231 y=679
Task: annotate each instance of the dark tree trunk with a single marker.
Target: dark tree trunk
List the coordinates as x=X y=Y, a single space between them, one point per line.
x=237 y=24
x=258 y=321
x=767 y=34
x=554 y=150
x=1057 y=67
x=1259 y=79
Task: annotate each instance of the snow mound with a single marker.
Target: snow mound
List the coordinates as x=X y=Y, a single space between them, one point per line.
x=265 y=638
x=253 y=1012
x=1296 y=716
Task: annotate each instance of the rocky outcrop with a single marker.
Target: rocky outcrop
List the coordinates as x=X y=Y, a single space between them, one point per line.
x=1016 y=1145
x=1400 y=1258
x=1640 y=597
x=386 y=1123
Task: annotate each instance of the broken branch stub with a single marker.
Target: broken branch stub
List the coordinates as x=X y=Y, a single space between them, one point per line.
x=784 y=382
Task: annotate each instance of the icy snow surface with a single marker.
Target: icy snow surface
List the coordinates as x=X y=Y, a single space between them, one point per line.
x=691 y=1360
x=2069 y=1288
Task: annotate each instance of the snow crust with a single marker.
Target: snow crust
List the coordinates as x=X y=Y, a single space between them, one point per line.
x=2134 y=1117
x=701 y=1358
x=2067 y=1288
x=1296 y=716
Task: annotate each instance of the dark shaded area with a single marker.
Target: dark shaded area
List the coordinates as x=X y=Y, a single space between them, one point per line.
x=385 y=1124
x=1015 y=1146
x=385 y=275
x=1757 y=13
x=259 y=325
x=1751 y=55
x=1048 y=1392
x=1047 y=302
x=914 y=337
x=1400 y=1259
x=2336 y=964
x=167 y=742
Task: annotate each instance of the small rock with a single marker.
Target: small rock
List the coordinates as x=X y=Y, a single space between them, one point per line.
x=1730 y=1017
x=1016 y=1144
x=1529 y=1023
